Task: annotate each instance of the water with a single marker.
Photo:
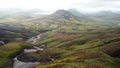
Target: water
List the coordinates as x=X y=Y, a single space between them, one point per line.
x=20 y=64
x=33 y=40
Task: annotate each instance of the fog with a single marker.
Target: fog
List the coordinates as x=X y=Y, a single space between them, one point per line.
x=53 y=5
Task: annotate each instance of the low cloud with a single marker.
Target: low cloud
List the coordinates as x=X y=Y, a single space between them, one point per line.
x=52 y=5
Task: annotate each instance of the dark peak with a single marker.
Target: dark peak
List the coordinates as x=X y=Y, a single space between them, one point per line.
x=61 y=11
x=62 y=14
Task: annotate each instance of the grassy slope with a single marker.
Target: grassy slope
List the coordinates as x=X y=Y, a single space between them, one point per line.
x=93 y=49
x=9 y=51
x=77 y=43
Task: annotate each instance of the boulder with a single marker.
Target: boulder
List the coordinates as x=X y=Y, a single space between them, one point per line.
x=2 y=42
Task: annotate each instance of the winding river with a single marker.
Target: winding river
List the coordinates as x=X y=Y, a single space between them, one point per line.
x=20 y=64
x=32 y=40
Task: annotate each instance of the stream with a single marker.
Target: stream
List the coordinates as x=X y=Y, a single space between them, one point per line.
x=20 y=64
x=32 y=40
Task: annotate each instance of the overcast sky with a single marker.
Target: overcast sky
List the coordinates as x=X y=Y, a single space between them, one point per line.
x=52 y=5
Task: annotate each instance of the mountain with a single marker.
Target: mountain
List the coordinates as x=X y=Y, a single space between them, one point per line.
x=105 y=14
x=72 y=41
x=75 y=12
x=24 y=12
x=108 y=16
x=62 y=14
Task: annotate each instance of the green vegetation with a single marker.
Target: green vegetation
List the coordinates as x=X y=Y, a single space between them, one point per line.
x=9 y=51
x=97 y=48
x=77 y=42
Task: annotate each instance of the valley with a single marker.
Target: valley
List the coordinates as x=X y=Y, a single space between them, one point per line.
x=60 y=40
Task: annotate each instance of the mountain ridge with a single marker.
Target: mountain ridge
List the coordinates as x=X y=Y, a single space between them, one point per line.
x=62 y=14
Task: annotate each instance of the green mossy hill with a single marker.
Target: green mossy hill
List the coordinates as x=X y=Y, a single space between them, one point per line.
x=98 y=48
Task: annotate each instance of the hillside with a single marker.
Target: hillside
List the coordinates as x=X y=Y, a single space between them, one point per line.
x=97 y=48
x=85 y=41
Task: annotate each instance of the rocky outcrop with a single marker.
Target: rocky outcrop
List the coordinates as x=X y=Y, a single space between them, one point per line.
x=2 y=42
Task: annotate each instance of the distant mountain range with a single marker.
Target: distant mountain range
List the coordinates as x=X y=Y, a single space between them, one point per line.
x=39 y=11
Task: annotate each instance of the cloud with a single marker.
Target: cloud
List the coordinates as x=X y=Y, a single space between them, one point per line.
x=52 y=5
x=98 y=5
